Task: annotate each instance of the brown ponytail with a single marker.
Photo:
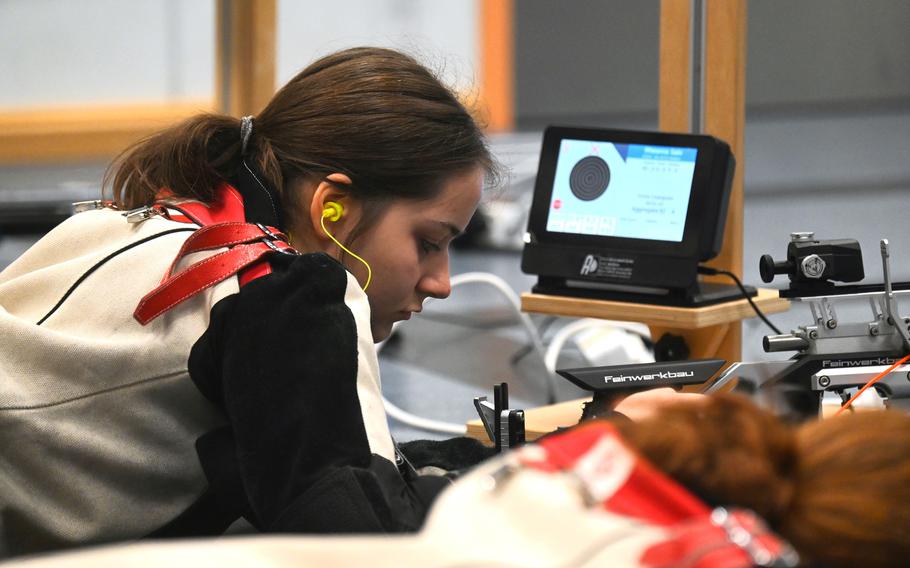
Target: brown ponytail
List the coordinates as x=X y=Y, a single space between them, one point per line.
x=838 y=489
x=725 y=450
x=190 y=159
x=853 y=503
x=374 y=114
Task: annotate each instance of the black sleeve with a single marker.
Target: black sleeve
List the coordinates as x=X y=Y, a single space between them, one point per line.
x=281 y=358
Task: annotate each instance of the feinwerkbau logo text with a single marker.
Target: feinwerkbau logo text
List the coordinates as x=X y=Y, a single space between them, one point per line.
x=649 y=377
x=828 y=364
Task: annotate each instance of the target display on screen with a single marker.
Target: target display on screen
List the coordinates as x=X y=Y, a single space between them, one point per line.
x=589 y=178
x=633 y=191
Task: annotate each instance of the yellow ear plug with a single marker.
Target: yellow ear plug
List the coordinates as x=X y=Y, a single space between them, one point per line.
x=333 y=210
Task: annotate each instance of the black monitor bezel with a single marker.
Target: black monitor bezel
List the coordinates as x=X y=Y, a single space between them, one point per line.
x=702 y=191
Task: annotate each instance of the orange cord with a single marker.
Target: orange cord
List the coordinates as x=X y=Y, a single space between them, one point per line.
x=876 y=379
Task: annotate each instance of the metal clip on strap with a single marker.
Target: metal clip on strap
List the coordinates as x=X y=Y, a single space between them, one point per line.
x=270 y=238
x=91 y=205
x=143 y=213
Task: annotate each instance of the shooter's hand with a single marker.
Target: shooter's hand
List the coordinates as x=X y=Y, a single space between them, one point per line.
x=645 y=404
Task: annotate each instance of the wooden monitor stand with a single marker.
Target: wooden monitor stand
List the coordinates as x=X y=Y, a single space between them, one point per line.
x=704 y=328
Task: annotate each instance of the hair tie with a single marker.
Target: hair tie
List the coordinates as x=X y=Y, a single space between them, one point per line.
x=246 y=130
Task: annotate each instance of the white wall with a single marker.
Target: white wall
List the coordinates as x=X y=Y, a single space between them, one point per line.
x=441 y=34
x=56 y=52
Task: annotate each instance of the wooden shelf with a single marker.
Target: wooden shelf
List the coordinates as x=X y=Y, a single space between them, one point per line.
x=85 y=133
x=669 y=316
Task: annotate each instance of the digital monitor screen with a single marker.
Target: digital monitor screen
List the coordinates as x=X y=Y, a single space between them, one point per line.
x=626 y=208
x=635 y=191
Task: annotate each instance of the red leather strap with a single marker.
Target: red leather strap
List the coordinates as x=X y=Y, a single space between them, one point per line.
x=247 y=244
x=223 y=227
x=227 y=206
x=221 y=235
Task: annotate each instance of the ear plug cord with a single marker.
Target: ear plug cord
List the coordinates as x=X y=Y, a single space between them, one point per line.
x=346 y=249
